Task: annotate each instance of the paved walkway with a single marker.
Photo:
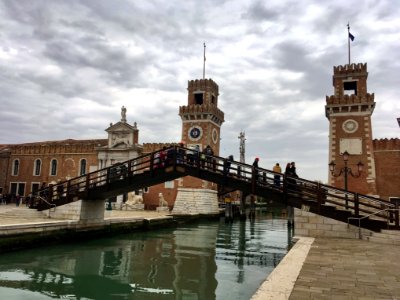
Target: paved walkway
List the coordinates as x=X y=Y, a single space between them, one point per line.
x=330 y=268
x=11 y=214
x=349 y=269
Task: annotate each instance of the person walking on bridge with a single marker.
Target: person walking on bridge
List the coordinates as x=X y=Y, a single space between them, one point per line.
x=255 y=168
x=277 y=178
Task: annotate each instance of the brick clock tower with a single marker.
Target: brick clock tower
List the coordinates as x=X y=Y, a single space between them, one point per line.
x=349 y=113
x=201 y=126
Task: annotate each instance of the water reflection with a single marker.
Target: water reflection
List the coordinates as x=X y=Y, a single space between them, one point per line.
x=211 y=260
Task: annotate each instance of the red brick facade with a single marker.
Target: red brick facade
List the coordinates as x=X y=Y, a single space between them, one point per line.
x=27 y=166
x=387 y=163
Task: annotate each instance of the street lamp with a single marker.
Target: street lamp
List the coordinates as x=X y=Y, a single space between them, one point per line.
x=346 y=170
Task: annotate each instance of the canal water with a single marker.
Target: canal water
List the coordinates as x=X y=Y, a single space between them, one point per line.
x=202 y=260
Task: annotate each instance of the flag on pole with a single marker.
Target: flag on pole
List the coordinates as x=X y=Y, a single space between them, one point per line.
x=351 y=36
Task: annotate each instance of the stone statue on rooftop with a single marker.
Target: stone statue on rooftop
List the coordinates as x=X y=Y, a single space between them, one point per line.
x=123 y=114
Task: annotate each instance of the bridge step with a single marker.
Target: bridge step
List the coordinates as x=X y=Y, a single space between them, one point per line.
x=388 y=234
x=383 y=240
x=15 y=213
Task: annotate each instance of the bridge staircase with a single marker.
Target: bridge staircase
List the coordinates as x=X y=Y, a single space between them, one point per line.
x=147 y=170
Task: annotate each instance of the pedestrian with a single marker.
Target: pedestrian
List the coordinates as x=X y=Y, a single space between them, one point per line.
x=17 y=199
x=227 y=164
x=209 y=153
x=290 y=174
x=293 y=169
x=163 y=157
x=203 y=158
x=60 y=189
x=42 y=192
x=255 y=168
x=156 y=161
x=196 y=155
x=180 y=154
x=277 y=178
x=171 y=151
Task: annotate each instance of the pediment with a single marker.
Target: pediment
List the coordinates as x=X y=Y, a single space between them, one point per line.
x=120 y=127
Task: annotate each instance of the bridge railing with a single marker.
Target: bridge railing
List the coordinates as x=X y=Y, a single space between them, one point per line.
x=258 y=177
x=356 y=203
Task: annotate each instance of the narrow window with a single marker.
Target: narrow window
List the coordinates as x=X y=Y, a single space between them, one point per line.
x=53 y=170
x=198 y=98
x=212 y=99
x=350 y=87
x=38 y=165
x=83 y=167
x=15 y=169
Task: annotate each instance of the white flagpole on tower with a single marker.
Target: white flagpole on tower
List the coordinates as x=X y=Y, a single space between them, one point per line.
x=204 y=61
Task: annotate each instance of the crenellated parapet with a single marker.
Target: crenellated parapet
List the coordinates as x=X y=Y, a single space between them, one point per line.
x=386 y=144
x=151 y=147
x=350 y=68
x=58 y=147
x=204 y=111
x=203 y=84
x=350 y=99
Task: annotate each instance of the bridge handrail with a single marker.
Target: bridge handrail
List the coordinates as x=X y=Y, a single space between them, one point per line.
x=388 y=210
x=258 y=177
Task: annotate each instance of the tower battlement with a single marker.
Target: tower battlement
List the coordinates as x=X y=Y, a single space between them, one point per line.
x=203 y=85
x=200 y=110
x=350 y=99
x=151 y=147
x=350 y=68
x=386 y=144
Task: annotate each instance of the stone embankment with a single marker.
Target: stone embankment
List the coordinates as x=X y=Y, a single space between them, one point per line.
x=21 y=227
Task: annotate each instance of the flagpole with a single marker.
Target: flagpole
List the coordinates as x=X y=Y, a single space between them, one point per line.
x=204 y=61
x=348 y=39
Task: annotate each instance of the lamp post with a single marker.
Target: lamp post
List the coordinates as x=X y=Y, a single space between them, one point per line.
x=346 y=171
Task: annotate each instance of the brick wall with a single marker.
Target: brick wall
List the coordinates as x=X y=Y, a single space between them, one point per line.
x=387 y=161
x=68 y=155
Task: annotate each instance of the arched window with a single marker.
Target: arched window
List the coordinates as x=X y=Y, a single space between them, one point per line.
x=82 y=169
x=37 y=167
x=15 y=169
x=53 y=170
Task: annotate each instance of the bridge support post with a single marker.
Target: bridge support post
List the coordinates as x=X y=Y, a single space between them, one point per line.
x=92 y=211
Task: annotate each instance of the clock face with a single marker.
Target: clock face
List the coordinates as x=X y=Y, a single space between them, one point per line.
x=214 y=136
x=195 y=133
x=350 y=126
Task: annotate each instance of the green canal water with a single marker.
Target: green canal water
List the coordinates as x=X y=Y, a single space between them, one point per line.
x=202 y=260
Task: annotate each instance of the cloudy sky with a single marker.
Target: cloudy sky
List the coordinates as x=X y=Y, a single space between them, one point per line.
x=67 y=67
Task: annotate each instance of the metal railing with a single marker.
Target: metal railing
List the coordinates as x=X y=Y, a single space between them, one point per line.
x=389 y=217
x=51 y=205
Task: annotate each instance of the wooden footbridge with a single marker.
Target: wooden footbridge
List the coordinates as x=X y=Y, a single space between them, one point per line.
x=147 y=170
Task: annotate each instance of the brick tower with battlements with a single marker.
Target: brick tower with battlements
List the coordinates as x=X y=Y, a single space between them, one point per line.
x=349 y=113
x=201 y=126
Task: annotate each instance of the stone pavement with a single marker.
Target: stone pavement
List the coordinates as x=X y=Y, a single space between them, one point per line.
x=334 y=268
x=11 y=214
x=349 y=269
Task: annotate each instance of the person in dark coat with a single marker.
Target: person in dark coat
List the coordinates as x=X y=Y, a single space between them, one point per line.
x=255 y=168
